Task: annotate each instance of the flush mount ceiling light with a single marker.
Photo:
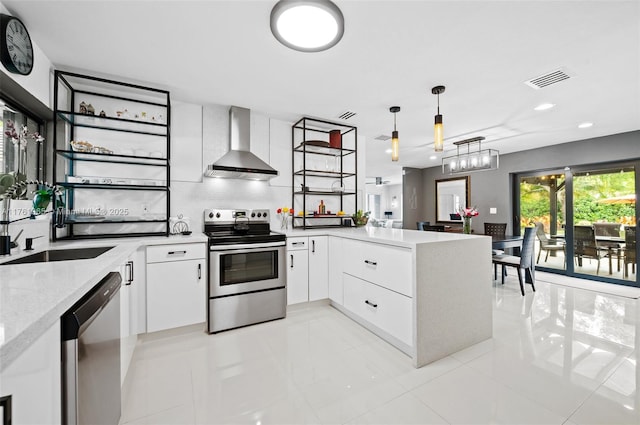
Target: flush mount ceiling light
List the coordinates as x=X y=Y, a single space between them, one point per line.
x=438 y=131
x=476 y=160
x=307 y=25
x=395 y=142
x=585 y=125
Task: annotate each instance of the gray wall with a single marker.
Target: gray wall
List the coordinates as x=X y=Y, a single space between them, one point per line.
x=492 y=188
x=413 y=194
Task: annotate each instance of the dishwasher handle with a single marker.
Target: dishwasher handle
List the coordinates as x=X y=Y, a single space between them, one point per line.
x=82 y=313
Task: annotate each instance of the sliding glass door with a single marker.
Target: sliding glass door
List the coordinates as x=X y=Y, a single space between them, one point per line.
x=543 y=204
x=586 y=220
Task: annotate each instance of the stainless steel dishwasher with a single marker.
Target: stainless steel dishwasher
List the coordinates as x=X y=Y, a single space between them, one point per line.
x=91 y=356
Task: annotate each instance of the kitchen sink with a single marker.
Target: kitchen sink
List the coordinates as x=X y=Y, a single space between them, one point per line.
x=61 y=255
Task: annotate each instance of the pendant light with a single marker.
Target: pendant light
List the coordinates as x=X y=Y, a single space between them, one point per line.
x=438 y=131
x=395 y=142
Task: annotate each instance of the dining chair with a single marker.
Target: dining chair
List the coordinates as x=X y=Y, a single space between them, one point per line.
x=419 y=224
x=545 y=243
x=585 y=245
x=629 y=250
x=495 y=230
x=522 y=262
x=433 y=228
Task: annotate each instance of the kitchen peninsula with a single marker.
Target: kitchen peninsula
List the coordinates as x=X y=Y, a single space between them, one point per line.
x=426 y=293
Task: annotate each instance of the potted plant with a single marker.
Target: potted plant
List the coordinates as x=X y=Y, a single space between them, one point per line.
x=360 y=218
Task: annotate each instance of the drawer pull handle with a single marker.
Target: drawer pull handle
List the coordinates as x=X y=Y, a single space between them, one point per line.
x=177 y=252
x=371 y=304
x=373 y=263
x=297 y=243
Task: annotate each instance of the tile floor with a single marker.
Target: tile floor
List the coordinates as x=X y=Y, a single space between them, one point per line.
x=559 y=356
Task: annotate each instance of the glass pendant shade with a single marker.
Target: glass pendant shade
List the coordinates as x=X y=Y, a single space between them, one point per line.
x=395 y=146
x=438 y=134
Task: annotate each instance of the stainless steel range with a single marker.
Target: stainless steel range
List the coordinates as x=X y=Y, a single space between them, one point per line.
x=247 y=269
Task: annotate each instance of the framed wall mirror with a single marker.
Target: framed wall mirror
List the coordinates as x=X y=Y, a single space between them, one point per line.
x=451 y=195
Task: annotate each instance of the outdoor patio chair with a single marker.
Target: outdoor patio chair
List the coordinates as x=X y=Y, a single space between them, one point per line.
x=629 y=250
x=522 y=262
x=585 y=245
x=607 y=229
x=434 y=228
x=545 y=243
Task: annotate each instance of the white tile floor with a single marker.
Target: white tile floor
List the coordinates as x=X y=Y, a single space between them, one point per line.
x=559 y=356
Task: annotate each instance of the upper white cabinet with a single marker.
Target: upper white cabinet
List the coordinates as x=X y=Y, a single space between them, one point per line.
x=280 y=151
x=186 y=142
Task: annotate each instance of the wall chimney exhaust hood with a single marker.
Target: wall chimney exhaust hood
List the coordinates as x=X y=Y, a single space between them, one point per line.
x=239 y=162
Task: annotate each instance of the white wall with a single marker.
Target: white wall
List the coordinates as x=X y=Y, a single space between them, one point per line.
x=39 y=81
x=387 y=192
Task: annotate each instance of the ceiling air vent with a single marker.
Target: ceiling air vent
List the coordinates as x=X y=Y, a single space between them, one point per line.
x=382 y=137
x=548 y=79
x=346 y=115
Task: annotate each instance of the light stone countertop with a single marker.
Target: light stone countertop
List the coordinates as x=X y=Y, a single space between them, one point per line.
x=34 y=296
x=396 y=237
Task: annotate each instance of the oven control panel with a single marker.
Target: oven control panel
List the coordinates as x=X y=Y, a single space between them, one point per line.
x=222 y=216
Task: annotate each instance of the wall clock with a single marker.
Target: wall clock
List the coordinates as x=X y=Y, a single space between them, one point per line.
x=16 y=50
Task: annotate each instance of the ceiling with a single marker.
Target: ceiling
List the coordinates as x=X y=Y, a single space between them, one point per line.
x=392 y=53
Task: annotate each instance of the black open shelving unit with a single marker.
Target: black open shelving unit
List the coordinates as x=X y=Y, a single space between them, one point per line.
x=309 y=141
x=153 y=130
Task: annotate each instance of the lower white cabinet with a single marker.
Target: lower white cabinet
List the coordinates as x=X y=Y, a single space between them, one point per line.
x=335 y=270
x=318 y=268
x=128 y=313
x=307 y=269
x=381 y=307
x=176 y=285
x=33 y=381
x=297 y=276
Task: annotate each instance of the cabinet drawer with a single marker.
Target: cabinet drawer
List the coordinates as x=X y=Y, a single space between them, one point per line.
x=385 y=309
x=177 y=252
x=385 y=265
x=296 y=243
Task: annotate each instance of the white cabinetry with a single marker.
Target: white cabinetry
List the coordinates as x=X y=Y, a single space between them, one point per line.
x=176 y=285
x=318 y=268
x=335 y=270
x=378 y=289
x=33 y=381
x=129 y=306
x=297 y=270
x=186 y=142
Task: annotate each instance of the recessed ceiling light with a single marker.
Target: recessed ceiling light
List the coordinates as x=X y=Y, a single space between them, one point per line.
x=544 y=106
x=585 y=125
x=388 y=151
x=307 y=26
x=433 y=157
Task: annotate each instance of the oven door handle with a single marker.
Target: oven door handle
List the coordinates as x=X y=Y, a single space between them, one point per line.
x=245 y=246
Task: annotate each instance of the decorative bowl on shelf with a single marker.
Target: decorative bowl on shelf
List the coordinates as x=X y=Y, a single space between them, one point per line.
x=81 y=146
x=337 y=186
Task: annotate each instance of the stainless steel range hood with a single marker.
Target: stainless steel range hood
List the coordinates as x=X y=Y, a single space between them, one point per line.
x=239 y=162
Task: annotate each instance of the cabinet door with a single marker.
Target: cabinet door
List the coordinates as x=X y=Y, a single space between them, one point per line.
x=297 y=277
x=186 y=142
x=139 y=294
x=33 y=381
x=318 y=268
x=335 y=270
x=128 y=299
x=176 y=294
